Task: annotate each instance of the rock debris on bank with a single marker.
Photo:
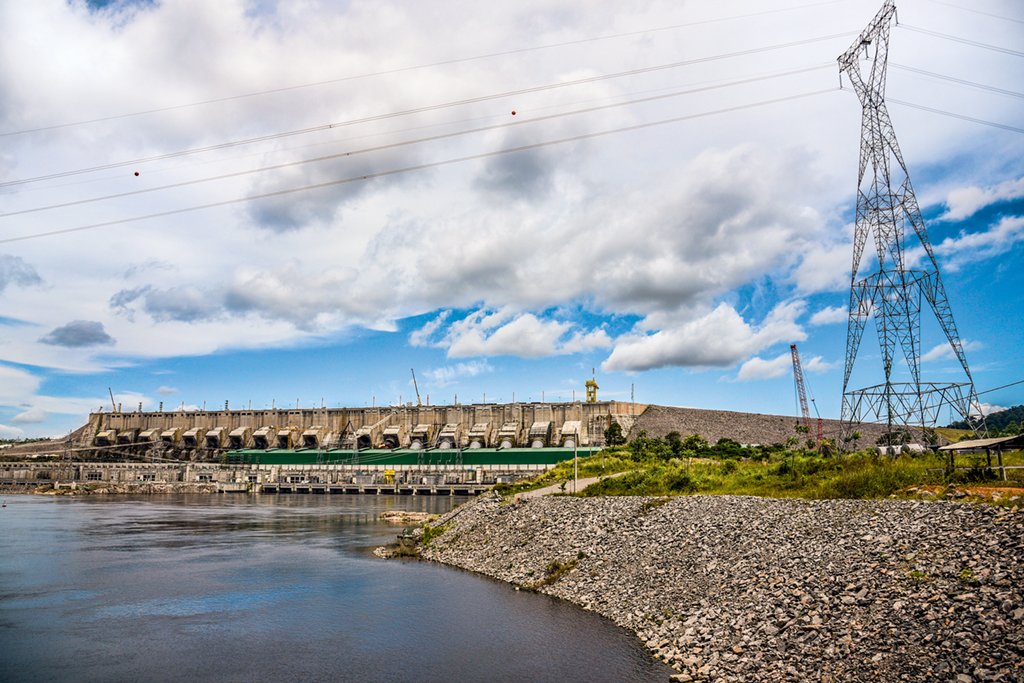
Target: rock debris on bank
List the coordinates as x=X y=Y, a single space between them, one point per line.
x=735 y=588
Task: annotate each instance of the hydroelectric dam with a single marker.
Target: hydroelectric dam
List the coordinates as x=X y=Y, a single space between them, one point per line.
x=447 y=449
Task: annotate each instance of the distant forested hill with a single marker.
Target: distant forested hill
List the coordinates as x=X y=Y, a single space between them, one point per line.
x=1006 y=422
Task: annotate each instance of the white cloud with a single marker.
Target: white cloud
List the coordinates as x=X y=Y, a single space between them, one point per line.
x=506 y=332
x=830 y=315
x=525 y=336
x=11 y=432
x=944 y=350
x=450 y=374
x=817 y=364
x=964 y=202
x=966 y=248
x=824 y=267
x=981 y=408
x=581 y=342
x=424 y=335
x=16 y=384
x=31 y=416
x=757 y=368
x=719 y=338
x=166 y=390
x=661 y=223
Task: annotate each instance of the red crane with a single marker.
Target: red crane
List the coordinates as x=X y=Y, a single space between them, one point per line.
x=801 y=391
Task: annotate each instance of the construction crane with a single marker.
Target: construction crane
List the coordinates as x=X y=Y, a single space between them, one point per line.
x=801 y=391
x=419 y=404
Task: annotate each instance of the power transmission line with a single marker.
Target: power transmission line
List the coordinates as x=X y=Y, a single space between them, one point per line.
x=1005 y=386
x=404 y=143
x=961 y=81
x=427 y=108
x=977 y=11
x=965 y=41
x=418 y=167
x=962 y=117
x=404 y=69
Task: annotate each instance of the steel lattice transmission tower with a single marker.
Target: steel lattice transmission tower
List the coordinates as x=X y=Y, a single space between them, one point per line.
x=892 y=294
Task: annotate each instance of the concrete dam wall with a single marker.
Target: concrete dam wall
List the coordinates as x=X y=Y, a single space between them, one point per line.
x=515 y=425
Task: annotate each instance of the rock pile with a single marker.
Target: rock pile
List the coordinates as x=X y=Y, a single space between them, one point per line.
x=738 y=588
x=743 y=427
x=110 y=488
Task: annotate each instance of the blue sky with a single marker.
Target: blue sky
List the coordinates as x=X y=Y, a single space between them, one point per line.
x=679 y=258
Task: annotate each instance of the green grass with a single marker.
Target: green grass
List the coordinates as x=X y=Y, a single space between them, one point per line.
x=432 y=532
x=793 y=474
x=953 y=435
x=859 y=475
x=554 y=571
x=611 y=461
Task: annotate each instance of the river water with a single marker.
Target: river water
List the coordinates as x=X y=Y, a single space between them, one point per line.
x=239 y=588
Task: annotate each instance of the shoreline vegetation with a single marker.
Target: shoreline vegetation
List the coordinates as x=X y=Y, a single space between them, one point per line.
x=672 y=467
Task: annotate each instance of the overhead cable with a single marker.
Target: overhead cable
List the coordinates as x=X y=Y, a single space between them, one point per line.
x=417 y=167
x=977 y=11
x=403 y=69
x=419 y=110
x=962 y=117
x=1005 y=386
x=958 y=80
x=404 y=143
x=965 y=41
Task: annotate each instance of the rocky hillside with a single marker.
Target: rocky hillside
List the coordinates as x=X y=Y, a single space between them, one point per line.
x=749 y=589
x=742 y=427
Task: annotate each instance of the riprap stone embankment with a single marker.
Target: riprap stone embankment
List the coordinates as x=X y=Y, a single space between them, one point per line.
x=748 y=589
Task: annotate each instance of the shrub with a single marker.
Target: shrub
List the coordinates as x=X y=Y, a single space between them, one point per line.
x=613 y=435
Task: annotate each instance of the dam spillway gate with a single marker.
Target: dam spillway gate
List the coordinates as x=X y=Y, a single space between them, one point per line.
x=210 y=435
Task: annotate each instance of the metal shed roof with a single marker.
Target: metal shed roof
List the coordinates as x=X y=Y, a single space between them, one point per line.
x=978 y=444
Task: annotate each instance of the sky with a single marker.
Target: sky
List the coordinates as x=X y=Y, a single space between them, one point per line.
x=279 y=203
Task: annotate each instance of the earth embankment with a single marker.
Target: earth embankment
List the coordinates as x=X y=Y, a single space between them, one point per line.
x=748 y=428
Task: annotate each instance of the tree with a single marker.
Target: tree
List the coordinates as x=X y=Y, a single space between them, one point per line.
x=675 y=444
x=613 y=435
x=896 y=437
x=696 y=443
x=727 y=448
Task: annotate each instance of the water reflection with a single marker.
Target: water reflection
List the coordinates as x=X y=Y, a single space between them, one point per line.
x=253 y=588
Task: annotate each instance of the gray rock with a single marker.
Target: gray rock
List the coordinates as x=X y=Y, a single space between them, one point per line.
x=749 y=589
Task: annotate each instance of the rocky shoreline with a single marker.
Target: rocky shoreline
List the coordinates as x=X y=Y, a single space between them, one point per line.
x=112 y=489
x=734 y=588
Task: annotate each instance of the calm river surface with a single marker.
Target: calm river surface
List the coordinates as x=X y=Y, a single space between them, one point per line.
x=225 y=588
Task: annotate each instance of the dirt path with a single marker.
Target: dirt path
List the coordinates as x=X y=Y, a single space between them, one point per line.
x=566 y=486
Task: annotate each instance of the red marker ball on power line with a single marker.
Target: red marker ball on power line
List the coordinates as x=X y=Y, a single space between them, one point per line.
x=136 y=173
x=513 y=112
